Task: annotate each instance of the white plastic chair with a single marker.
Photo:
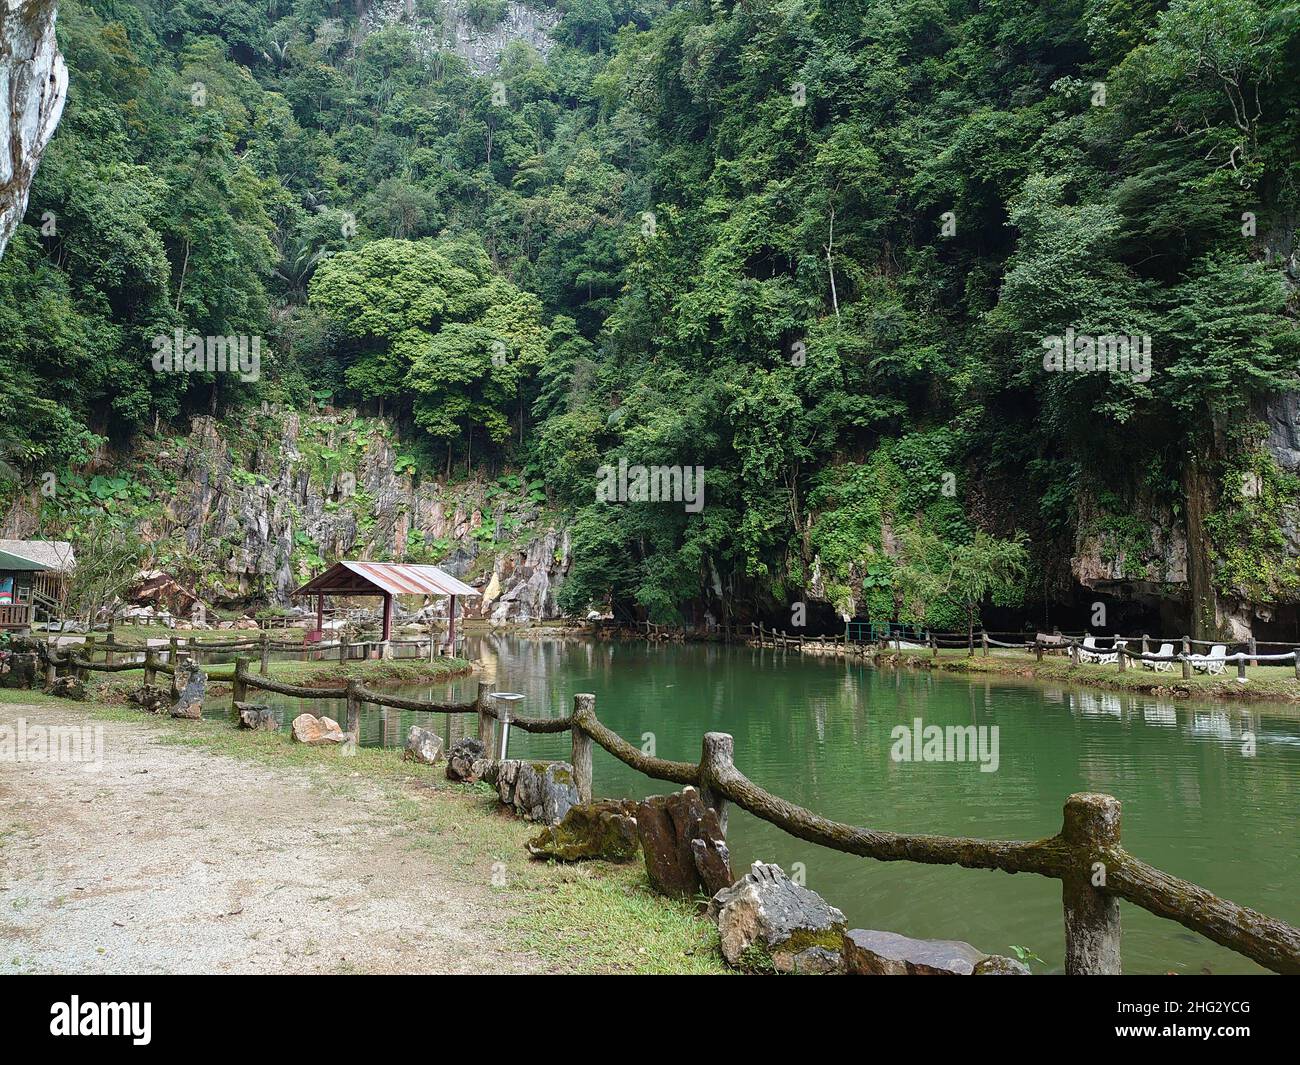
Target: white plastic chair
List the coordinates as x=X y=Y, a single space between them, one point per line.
x=1214 y=662
x=1166 y=651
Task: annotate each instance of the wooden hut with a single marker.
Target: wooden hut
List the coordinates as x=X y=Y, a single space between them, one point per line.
x=33 y=581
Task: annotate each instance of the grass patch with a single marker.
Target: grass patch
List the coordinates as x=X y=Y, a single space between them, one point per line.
x=372 y=672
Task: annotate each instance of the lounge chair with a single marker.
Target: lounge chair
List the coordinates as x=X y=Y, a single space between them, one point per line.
x=1167 y=652
x=1214 y=662
x=1090 y=653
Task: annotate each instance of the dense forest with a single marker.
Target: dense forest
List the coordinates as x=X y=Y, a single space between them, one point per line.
x=817 y=248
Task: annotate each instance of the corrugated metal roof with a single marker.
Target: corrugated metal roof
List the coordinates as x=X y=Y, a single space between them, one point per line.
x=399 y=578
x=47 y=554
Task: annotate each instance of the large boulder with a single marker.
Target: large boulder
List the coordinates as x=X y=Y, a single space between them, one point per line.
x=307 y=728
x=461 y=758
x=603 y=829
x=422 y=745
x=192 y=684
x=256 y=716
x=152 y=699
x=538 y=791
x=871 y=953
x=685 y=851
x=768 y=923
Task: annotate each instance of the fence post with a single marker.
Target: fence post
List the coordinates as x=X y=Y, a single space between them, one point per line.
x=1187 y=664
x=1145 y=643
x=52 y=668
x=1295 y=654
x=89 y=648
x=239 y=687
x=1038 y=649
x=1092 y=921
x=984 y=642
x=343 y=647
x=1074 y=653
x=1241 y=669
x=150 y=666
x=354 y=712
x=264 y=666
x=484 y=718
x=934 y=646
x=718 y=754
x=584 y=705
x=171 y=650
x=1254 y=650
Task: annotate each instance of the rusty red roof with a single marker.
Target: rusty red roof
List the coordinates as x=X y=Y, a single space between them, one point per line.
x=397 y=578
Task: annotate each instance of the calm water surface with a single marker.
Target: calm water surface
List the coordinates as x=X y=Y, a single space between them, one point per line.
x=817 y=732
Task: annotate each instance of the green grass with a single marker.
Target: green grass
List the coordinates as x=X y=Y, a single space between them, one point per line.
x=596 y=917
x=1263 y=682
x=326 y=674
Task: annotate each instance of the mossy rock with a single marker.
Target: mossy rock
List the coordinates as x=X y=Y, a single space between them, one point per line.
x=605 y=830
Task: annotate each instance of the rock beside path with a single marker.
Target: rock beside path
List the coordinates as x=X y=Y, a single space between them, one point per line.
x=67 y=688
x=193 y=685
x=604 y=829
x=461 y=758
x=872 y=953
x=313 y=730
x=768 y=923
x=685 y=852
x=152 y=699
x=256 y=716
x=422 y=745
x=538 y=791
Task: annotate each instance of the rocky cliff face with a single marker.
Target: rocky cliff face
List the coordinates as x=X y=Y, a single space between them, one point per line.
x=33 y=87
x=448 y=27
x=246 y=513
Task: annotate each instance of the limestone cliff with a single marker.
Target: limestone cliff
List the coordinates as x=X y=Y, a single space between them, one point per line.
x=33 y=87
x=244 y=513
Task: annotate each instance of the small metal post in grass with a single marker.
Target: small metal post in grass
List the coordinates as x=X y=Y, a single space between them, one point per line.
x=505 y=701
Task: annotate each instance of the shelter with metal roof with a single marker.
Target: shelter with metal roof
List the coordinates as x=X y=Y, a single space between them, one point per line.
x=32 y=580
x=386 y=579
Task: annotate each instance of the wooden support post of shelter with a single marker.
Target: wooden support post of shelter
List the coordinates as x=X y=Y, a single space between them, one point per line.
x=386 y=581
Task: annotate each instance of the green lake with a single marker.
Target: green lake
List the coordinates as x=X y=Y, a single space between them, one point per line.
x=818 y=732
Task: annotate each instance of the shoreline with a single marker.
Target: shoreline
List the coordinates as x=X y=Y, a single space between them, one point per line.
x=1258 y=688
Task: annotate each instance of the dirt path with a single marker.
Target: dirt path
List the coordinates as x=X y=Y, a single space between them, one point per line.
x=173 y=860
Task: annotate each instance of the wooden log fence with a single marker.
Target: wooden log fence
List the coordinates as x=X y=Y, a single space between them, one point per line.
x=1089 y=839
x=1086 y=855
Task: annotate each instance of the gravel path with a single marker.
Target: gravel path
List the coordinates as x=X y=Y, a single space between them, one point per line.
x=174 y=860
